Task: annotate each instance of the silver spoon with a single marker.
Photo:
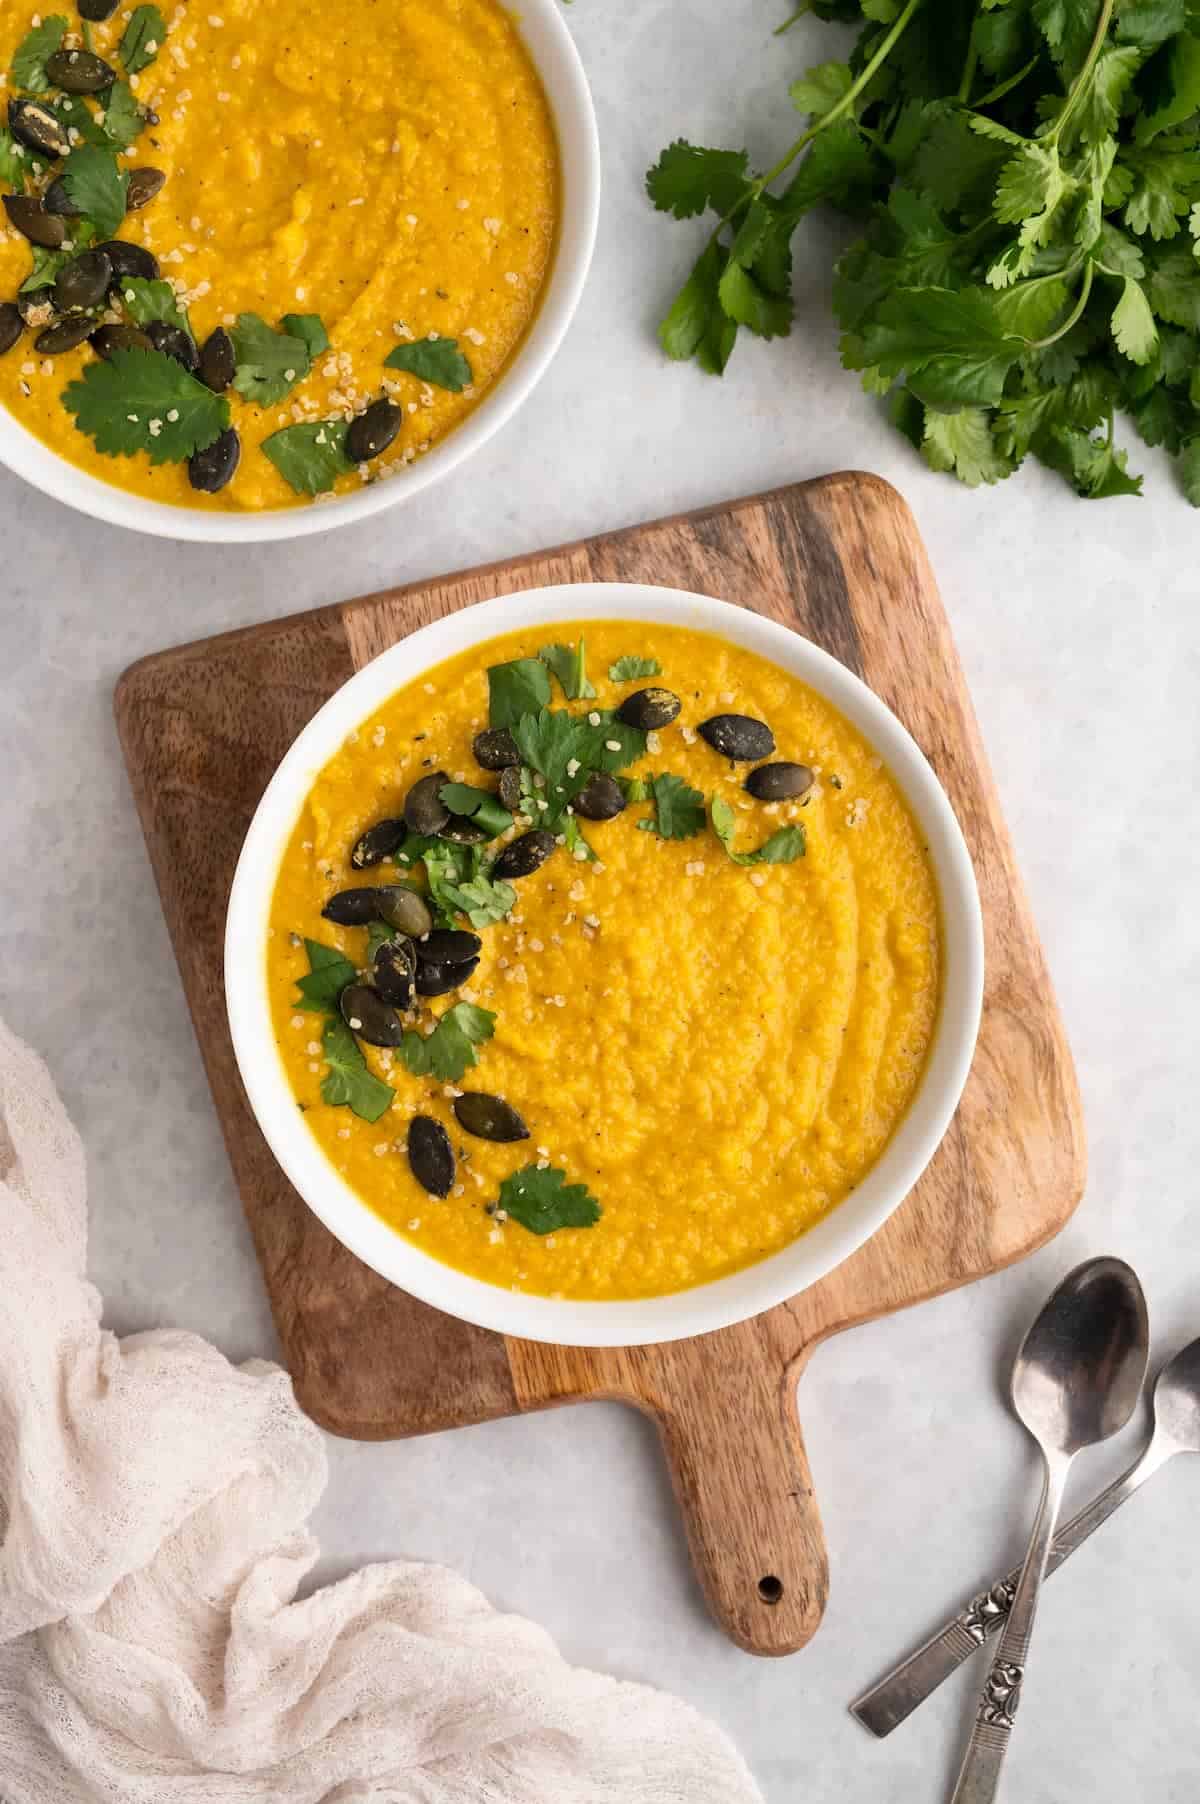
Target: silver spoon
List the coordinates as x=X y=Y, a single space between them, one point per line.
x=1175 y=1416
x=1076 y=1380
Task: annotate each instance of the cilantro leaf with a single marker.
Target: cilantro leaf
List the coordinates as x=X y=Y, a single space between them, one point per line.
x=46 y=265
x=349 y=1080
x=568 y=663
x=552 y=740
x=1095 y=468
x=310 y=457
x=633 y=669
x=309 y=329
x=696 y=324
x=435 y=360
x=478 y=805
x=744 y=302
x=97 y=186
x=687 y=179
x=144 y=401
x=1188 y=465
x=635 y=789
x=268 y=364
x=145 y=35
x=451 y=1048
x=544 y=1202
x=821 y=88
x=1175 y=291
x=146 y=301
x=1133 y=327
x=514 y=689
x=379 y=933
x=952 y=344
x=784 y=846
x=14 y=162
x=484 y=900
x=328 y=974
x=678 y=809
x=124 y=119
x=30 y=56
x=963 y=442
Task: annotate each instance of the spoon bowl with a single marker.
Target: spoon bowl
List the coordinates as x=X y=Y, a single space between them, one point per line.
x=1176 y=1402
x=1081 y=1367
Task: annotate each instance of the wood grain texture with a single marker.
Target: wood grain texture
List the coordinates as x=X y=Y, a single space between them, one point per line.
x=840 y=560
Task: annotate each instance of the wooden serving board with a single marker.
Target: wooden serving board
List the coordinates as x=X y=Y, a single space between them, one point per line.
x=203 y=728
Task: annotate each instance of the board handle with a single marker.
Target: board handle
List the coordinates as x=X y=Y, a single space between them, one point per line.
x=732 y=1440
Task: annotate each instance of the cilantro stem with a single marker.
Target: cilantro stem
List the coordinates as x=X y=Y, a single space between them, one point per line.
x=969 y=67
x=804 y=7
x=865 y=75
x=1085 y=289
x=1005 y=87
x=1079 y=85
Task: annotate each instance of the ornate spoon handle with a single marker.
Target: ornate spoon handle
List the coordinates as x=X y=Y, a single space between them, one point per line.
x=898 y=1693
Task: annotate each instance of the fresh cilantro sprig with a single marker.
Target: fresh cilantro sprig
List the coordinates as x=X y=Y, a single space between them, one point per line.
x=784 y=846
x=144 y=37
x=269 y=363
x=435 y=360
x=1029 y=173
x=569 y=664
x=97 y=186
x=310 y=457
x=679 y=811
x=145 y=300
x=145 y=401
x=631 y=669
x=31 y=55
x=517 y=688
x=350 y=1082
x=544 y=1202
x=452 y=1047
x=328 y=974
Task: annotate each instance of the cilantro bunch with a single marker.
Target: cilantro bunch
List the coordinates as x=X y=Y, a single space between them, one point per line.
x=1027 y=173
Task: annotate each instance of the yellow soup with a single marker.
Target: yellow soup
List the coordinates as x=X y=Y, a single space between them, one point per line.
x=388 y=168
x=715 y=1052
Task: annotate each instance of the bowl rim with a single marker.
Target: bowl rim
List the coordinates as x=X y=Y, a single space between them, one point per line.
x=705 y=1307
x=551 y=47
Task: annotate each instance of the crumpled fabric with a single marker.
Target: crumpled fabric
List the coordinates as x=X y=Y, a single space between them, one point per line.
x=153 y=1649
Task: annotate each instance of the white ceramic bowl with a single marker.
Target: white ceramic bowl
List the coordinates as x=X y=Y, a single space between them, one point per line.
x=553 y=51
x=708 y=1306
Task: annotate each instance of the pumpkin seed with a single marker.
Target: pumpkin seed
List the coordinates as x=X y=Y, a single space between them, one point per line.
x=509 y=788
x=37 y=308
x=174 y=342
x=448 y=946
x=431 y=1155
x=649 y=709
x=373 y=431
x=31 y=219
x=496 y=749
x=79 y=72
x=57 y=340
x=83 y=283
x=424 y=810
x=57 y=200
x=779 y=782
x=11 y=326
x=37 y=128
x=404 y=909
x=463 y=832
x=378 y=842
x=353 y=907
x=489 y=1117
x=131 y=260
x=107 y=339
x=144 y=184
x=521 y=857
x=394 y=967
x=97 y=11
x=437 y=980
x=209 y=470
x=600 y=799
x=218 y=361
x=366 y=1014
x=738 y=736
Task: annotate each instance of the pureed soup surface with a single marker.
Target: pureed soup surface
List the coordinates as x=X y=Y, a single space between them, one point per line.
x=388 y=166
x=718 y=1052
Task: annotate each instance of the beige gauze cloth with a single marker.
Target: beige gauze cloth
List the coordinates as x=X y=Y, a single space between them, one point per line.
x=153 y=1502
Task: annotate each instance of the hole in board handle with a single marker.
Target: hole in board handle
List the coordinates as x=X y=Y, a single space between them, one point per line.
x=770 y=1588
